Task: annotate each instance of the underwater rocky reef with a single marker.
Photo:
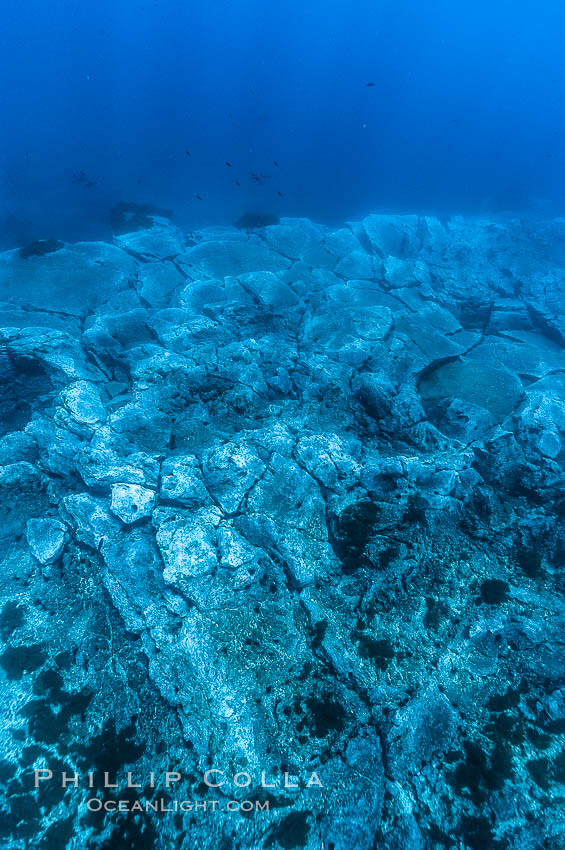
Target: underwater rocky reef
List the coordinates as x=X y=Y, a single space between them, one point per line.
x=285 y=501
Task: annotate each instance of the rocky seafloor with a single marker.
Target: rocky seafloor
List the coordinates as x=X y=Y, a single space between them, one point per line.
x=288 y=500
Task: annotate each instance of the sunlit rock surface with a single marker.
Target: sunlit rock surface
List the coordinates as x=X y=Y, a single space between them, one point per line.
x=287 y=501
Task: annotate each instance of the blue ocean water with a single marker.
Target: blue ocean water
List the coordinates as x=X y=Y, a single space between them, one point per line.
x=441 y=107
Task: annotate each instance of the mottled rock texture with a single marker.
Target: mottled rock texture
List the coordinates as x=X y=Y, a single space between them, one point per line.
x=287 y=500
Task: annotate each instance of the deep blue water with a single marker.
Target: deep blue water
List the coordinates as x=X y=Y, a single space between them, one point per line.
x=467 y=110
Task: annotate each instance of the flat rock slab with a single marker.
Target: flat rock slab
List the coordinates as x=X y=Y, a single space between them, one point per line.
x=393 y=235
x=497 y=389
x=525 y=352
x=218 y=259
x=293 y=238
x=76 y=278
x=158 y=242
x=27 y=316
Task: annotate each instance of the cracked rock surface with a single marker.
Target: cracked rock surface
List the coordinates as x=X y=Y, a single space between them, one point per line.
x=287 y=501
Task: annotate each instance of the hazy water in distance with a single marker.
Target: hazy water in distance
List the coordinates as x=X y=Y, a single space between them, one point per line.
x=100 y=102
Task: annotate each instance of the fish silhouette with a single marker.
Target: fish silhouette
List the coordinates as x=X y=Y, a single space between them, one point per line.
x=199 y=197
x=80 y=178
